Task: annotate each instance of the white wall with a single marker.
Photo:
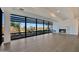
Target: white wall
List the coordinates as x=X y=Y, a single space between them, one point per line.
x=71 y=26
x=56 y=26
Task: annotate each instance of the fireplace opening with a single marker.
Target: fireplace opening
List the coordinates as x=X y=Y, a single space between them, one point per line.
x=62 y=30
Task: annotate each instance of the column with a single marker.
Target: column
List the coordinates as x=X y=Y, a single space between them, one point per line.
x=7 y=37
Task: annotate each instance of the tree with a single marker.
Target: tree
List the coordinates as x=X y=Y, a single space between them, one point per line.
x=16 y=25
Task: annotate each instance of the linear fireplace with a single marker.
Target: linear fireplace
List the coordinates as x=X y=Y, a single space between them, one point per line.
x=62 y=30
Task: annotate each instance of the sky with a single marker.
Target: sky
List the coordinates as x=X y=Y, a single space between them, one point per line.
x=32 y=24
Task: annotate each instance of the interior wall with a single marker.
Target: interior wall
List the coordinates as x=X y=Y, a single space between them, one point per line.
x=71 y=26
x=55 y=27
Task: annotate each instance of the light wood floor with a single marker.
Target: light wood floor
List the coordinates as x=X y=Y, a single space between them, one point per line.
x=44 y=43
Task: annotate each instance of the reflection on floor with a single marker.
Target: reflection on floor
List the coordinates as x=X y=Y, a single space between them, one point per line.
x=44 y=43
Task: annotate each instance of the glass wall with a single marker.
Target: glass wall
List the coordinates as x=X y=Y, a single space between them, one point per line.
x=31 y=27
x=39 y=26
x=22 y=26
x=17 y=27
x=46 y=27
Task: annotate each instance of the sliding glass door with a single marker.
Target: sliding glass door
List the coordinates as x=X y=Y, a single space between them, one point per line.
x=22 y=26
x=31 y=27
x=39 y=26
x=17 y=27
x=46 y=27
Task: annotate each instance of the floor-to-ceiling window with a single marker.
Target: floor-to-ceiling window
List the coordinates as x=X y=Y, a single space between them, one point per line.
x=31 y=27
x=45 y=27
x=22 y=26
x=39 y=26
x=17 y=27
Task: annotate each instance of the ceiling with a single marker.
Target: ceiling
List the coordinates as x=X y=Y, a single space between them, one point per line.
x=53 y=13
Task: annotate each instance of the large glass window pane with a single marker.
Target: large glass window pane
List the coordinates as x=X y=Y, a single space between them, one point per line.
x=39 y=26
x=31 y=27
x=17 y=27
x=45 y=27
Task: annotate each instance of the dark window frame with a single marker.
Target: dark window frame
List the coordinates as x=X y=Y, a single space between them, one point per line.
x=25 y=17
